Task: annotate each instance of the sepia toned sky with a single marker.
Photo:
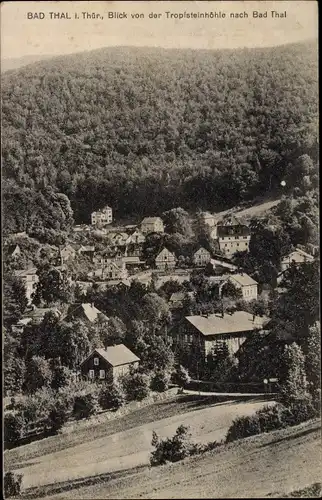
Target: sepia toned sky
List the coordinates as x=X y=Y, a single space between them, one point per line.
x=21 y=36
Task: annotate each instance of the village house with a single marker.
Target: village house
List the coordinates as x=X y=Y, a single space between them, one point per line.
x=165 y=260
x=233 y=236
x=118 y=238
x=136 y=238
x=111 y=270
x=33 y=317
x=67 y=252
x=205 y=331
x=246 y=284
x=201 y=257
x=87 y=313
x=87 y=251
x=152 y=225
x=107 y=365
x=298 y=257
x=30 y=280
x=102 y=216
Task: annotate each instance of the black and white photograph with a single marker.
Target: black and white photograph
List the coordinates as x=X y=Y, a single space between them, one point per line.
x=160 y=250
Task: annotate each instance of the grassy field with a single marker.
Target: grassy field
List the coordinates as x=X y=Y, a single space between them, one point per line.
x=121 y=444
x=283 y=463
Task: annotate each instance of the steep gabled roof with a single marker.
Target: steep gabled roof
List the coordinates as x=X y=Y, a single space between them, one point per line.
x=116 y=355
x=201 y=250
x=165 y=251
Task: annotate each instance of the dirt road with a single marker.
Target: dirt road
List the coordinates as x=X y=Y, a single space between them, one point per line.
x=271 y=465
x=128 y=448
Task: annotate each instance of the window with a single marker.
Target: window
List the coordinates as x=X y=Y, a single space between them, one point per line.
x=102 y=374
x=238 y=244
x=96 y=361
x=91 y=373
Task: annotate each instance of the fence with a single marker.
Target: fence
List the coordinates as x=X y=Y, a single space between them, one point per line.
x=250 y=387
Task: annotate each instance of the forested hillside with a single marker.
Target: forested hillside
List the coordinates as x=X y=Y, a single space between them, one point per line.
x=149 y=129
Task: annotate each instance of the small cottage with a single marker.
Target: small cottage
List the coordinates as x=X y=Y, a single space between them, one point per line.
x=109 y=364
x=246 y=284
x=152 y=225
x=298 y=257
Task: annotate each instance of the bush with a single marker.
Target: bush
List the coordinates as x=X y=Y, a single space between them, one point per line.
x=299 y=411
x=12 y=484
x=160 y=381
x=85 y=405
x=181 y=376
x=243 y=427
x=59 y=413
x=61 y=377
x=271 y=418
x=136 y=386
x=171 y=449
x=111 y=396
x=14 y=427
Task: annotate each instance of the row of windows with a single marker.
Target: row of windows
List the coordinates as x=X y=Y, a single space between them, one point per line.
x=91 y=374
x=237 y=244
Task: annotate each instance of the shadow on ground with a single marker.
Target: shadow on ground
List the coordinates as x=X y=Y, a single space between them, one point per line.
x=56 y=488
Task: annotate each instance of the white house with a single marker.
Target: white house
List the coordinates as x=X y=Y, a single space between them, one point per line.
x=298 y=257
x=152 y=225
x=102 y=216
x=201 y=257
x=233 y=236
x=246 y=284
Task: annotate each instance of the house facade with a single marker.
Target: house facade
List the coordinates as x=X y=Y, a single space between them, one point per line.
x=136 y=238
x=298 y=257
x=102 y=216
x=111 y=270
x=201 y=257
x=30 y=280
x=107 y=365
x=206 y=331
x=165 y=260
x=233 y=236
x=152 y=225
x=246 y=284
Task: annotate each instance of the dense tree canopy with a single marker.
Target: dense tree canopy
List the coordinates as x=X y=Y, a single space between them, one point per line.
x=146 y=130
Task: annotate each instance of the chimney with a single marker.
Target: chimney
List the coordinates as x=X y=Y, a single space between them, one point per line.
x=253 y=317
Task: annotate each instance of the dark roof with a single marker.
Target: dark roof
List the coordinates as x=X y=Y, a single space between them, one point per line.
x=215 y=324
x=116 y=355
